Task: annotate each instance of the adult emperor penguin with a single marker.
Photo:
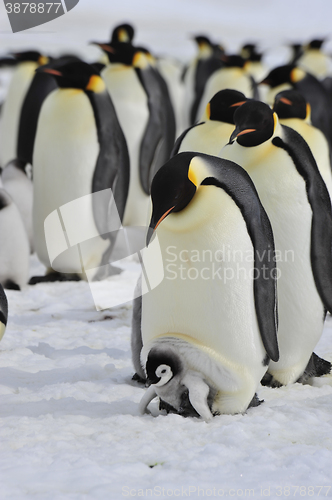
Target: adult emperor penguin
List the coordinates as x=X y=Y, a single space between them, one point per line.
x=289 y=77
x=296 y=200
x=14 y=248
x=206 y=61
x=293 y=111
x=210 y=335
x=314 y=60
x=254 y=61
x=3 y=312
x=28 y=62
x=232 y=75
x=215 y=127
x=79 y=150
x=144 y=109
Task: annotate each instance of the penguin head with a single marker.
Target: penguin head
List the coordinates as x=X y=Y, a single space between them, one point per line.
x=162 y=365
x=31 y=56
x=223 y=104
x=255 y=123
x=77 y=75
x=316 y=43
x=248 y=52
x=291 y=104
x=123 y=33
x=289 y=73
x=171 y=189
x=126 y=54
x=233 y=61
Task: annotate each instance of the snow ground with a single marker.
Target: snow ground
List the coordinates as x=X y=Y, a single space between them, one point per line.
x=69 y=422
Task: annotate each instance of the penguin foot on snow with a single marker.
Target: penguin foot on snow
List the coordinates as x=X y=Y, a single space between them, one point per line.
x=11 y=285
x=54 y=276
x=316 y=367
x=138 y=378
x=107 y=271
x=269 y=381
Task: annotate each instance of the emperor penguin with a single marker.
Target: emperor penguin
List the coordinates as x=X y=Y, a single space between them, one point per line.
x=295 y=112
x=3 y=312
x=295 y=197
x=145 y=112
x=254 y=61
x=14 y=248
x=79 y=150
x=24 y=71
x=314 y=60
x=215 y=127
x=232 y=75
x=207 y=60
x=208 y=330
x=292 y=77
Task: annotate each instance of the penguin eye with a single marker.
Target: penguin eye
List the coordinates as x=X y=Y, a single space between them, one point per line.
x=163 y=371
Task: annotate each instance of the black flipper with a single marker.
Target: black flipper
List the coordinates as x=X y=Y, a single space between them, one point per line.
x=179 y=140
x=318 y=197
x=112 y=167
x=159 y=135
x=237 y=183
x=3 y=307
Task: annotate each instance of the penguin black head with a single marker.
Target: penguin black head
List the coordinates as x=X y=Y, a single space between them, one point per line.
x=124 y=53
x=171 y=189
x=123 y=33
x=316 y=43
x=248 y=52
x=288 y=73
x=162 y=365
x=233 y=61
x=291 y=104
x=223 y=104
x=76 y=74
x=255 y=123
x=31 y=56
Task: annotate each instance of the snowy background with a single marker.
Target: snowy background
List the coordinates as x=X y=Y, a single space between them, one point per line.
x=70 y=427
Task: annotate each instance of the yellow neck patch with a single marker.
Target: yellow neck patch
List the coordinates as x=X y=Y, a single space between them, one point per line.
x=43 y=60
x=297 y=74
x=96 y=84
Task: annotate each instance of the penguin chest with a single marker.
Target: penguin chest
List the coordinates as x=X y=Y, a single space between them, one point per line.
x=207 y=290
x=130 y=102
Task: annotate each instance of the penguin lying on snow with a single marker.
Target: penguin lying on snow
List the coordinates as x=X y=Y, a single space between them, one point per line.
x=215 y=127
x=297 y=202
x=79 y=150
x=208 y=338
x=3 y=312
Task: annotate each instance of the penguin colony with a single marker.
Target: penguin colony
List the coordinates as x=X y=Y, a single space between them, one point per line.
x=226 y=162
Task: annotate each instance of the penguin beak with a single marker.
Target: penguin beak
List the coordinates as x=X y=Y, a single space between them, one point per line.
x=104 y=46
x=286 y=101
x=50 y=71
x=237 y=104
x=152 y=228
x=236 y=133
x=266 y=81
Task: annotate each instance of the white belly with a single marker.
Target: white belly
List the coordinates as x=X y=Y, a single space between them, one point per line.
x=208 y=138
x=130 y=102
x=65 y=155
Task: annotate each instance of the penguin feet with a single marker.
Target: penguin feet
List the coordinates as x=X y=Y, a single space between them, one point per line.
x=255 y=401
x=106 y=271
x=54 y=276
x=11 y=285
x=138 y=378
x=269 y=381
x=316 y=367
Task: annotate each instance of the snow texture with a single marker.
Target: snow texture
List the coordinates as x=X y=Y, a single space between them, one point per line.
x=70 y=428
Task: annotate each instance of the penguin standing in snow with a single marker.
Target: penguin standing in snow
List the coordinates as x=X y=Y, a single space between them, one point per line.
x=144 y=109
x=216 y=125
x=293 y=111
x=297 y=202
x=199 y=337
x=232 y=75
x=14 y=248
x=79 y=150
x=3 y=312
x=23 y=74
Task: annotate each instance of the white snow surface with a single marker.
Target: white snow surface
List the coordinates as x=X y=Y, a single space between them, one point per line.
x=69 y=422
